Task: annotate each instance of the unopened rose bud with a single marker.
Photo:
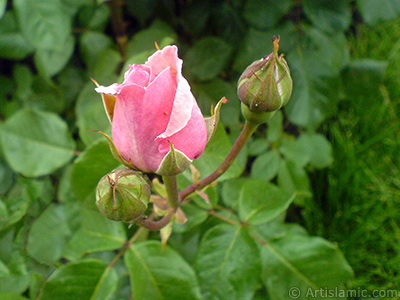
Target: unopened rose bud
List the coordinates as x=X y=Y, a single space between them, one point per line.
x=122 y=195
x=266 y=85
x=153 y=109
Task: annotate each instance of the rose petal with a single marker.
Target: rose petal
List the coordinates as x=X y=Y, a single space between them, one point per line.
x=139 y=75
x=192 y=139
x=167 y=57
x=182 y=109
x=124 y=127
x=145 y=114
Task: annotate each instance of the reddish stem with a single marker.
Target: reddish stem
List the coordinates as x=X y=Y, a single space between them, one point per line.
x=244 y=136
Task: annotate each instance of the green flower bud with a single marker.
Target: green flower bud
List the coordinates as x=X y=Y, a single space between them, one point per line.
x=123 y=195
x=266 y=85
x=255 y=116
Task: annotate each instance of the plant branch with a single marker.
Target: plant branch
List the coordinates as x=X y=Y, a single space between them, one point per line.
x=155 y=225
x=118 y=26
x=244 y=136
x=172 y=191
x=126 y=246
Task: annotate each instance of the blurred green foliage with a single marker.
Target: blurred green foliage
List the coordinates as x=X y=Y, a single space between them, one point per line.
x=290 y=178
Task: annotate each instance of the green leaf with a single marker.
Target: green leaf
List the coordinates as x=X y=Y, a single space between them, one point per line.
x=13 y=45
x=294 y=151
x=3 y=5
x=157 y=274
x=210 y=92
x=90 y=115
x=266 y=166
x=43 y=22
x=94 y=17
x=11 y=296
x=195 y=216
x=36 y=143
x=91 y=45
x=12 y=210
x=72 y=6
x=46 y=95
x=143 y=10
x=307 y=263
x=319 y=149
x=97 y=233
x=95 y=162
x=261 y=202
x=227 y=21
x=228 y=263
x=308 y=148
x=143 y=41
x=4 y=271
x=106 y=67
x=49 y=234
x=83 y=280
x=19 y=278
x=293 y=179
x=231 y=190
x=24 y=79
x=51 y=61
x=215 y=153
x=257 y=146
x=257 y=44
x=330 y=16
x=265 y=14
x=274 y=129
x=374 y=12
x=195 y=16
x=315 y=68
x=207 y=58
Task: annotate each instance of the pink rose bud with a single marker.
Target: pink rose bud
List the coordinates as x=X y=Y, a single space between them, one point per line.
x=157 y=125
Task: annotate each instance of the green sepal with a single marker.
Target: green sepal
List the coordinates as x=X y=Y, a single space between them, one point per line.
x=108 y=102
x=256 y=117
x=115 y=152
x=165 y=233
x=173 y=163
x=212 y=122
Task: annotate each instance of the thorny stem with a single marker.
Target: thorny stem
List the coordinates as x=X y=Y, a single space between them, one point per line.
x=172 y=191
x=244 y=136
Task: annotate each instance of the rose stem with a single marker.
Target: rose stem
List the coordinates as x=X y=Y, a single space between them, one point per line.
x=118 y=26
x=172 y=191
x=154 y=225
x=247 y=131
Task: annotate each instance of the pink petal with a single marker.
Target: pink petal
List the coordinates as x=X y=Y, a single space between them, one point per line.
x=167 y=57
x=144 y=113
x=182 y=109
x=124 y=127
x=139 y=75
x=192 y=139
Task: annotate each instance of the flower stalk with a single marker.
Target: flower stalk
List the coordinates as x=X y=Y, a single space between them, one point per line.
x=172 y=191
x=246 y=133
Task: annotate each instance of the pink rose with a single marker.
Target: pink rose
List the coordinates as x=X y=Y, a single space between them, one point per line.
x=154 y=109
